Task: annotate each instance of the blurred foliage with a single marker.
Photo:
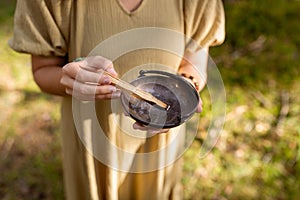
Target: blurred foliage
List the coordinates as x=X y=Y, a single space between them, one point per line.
x=30 y=155
x=257 y=154
x=262 y=42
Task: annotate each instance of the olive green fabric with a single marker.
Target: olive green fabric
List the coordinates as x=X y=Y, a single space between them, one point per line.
x=73 y=29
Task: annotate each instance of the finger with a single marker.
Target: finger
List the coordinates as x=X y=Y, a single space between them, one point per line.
x=99 y=62
x=87 y=70
x=87 y=88
x=71 y=69
x=126 y=113
x=92 y=97
x=199 y=108
x=84 y=74
x=114 y=95
x=79 y=96
x=91 y=89
x=67 y=81
x=110 y=69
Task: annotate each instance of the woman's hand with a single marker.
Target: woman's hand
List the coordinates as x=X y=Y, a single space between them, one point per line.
x=199 y=108
x=194 y=69
x=83 y=80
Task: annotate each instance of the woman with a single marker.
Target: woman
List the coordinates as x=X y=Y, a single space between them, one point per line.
x=56 y=32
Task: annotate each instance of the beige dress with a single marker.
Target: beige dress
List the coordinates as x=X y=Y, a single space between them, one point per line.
x=104 y=158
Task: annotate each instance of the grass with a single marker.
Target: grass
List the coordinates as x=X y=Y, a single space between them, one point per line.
x=30 y=156
x=257 y=155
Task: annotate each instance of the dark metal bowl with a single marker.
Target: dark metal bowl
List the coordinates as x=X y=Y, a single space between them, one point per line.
x=172 y=89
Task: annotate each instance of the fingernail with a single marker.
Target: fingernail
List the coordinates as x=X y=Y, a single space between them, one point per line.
x=199 y=109
x=106 y=80
x=68 y=91
x=116 y=94
x=112 y=89
x=135 y=126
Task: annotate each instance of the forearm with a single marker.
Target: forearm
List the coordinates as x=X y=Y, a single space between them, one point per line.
x=195 y=65
x=189 y=69
x=47 y=73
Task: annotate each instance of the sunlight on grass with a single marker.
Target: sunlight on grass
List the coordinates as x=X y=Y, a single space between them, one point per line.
x=30 y=154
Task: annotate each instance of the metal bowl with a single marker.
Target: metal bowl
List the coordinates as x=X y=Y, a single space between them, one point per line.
x=179 y=94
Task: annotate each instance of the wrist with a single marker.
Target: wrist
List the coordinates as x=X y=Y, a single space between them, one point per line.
x=192 y=80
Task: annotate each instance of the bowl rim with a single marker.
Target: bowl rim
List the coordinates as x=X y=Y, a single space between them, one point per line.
x=169 y=75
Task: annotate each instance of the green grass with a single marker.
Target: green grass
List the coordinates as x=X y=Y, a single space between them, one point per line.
x=257 y=155
x=30 y=156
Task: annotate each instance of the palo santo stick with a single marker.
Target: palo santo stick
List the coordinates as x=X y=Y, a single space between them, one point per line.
x=130 y=88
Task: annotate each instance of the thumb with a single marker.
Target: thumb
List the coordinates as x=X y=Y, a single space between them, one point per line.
x=112 y=70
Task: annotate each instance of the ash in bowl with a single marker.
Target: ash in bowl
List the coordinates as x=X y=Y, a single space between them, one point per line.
x=149 y=113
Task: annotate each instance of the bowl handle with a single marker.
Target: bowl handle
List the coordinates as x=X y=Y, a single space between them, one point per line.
x=144 y=72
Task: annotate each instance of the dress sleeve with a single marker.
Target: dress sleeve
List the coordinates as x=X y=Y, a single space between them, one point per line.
x=204 y=23
x=41 y=27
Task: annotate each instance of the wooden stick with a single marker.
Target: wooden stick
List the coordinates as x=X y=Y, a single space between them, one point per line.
x=125 y=86
x=137 y=91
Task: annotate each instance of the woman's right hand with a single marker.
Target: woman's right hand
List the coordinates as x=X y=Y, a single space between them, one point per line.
x=83 y=80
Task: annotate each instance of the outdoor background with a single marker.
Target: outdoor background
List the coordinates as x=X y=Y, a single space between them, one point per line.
x=257 y=155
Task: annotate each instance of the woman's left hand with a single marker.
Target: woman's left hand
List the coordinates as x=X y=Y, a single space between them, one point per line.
x=199 y=108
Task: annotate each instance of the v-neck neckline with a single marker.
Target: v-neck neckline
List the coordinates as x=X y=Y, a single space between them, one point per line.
x=128 y=12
